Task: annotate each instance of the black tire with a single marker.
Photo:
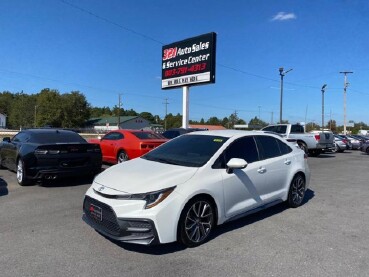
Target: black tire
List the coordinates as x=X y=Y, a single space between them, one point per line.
x=296 y=192
x=336 y=148
x=21 y=173
x=367 y=150
x=303 y=146
x=122 y=157
x=196 y=222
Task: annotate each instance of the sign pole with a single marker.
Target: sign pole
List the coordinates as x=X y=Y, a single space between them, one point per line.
x=185 y=118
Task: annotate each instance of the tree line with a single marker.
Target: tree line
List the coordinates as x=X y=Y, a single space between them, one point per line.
x=49 y=107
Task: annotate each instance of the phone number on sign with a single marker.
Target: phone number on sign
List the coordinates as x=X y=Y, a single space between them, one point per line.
x=184 y=69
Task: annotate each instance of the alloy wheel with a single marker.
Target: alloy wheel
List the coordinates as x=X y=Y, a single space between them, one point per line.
x=122 y=157
x=20 y=171
x=199 y=221
x=297 y=190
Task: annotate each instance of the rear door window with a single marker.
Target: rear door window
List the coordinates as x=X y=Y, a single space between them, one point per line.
x=268 y=147
x=243 y=148
x=113 y=136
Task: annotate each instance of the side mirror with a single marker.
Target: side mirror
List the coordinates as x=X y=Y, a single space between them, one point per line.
x=235 y=163
x=6 y=139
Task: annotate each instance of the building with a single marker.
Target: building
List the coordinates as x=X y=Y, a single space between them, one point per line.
x=207 y=127
x=2 y=120
x=111 y=123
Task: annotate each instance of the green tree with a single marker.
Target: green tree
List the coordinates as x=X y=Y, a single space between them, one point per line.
x=6 y=100
x=332 y=125
x=214 y=121
x=75 y=110
x=258 y=122
x=100 y=112
x=49 y=108
x=22 y=111
x=173 y=121
x=130 y=112
x=148 y=116
x=225 y=122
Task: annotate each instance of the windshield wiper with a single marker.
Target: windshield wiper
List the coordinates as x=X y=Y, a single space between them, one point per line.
x=161 y=160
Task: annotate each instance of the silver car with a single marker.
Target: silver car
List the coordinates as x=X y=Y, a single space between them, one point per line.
x=340 y=144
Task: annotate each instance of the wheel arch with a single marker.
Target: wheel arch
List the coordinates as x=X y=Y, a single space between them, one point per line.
x=200 y=195
x=120 y=149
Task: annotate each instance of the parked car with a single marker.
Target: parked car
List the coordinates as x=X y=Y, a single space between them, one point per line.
x=341 y=144
x=346 y=140
x=123 y=145
x=362 y=139
x=185 y=187
x=355 y=143
x=312 y=143
x=365 y=147
x=175 y=132
x=47 y=154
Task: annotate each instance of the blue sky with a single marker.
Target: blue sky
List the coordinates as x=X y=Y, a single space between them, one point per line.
x=104 y=48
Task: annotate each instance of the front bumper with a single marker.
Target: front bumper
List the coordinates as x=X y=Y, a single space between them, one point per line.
x=130 y=230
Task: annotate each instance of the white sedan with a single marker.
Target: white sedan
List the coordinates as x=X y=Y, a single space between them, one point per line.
x=181 y=190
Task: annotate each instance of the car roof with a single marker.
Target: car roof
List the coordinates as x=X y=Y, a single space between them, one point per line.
x=231 y=133
x=47 y=130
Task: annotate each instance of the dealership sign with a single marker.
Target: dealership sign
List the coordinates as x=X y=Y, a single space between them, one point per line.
x=189 y=62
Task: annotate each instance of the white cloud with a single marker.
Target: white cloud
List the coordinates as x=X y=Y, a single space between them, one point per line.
x=282 y=16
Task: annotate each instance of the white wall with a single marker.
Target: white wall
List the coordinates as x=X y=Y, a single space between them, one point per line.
x=2 y=121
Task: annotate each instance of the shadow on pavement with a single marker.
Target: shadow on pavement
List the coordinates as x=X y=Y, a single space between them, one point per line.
x=66 y=182
x=3 y=187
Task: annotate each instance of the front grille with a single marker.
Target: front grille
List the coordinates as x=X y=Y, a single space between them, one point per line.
x=109 y=221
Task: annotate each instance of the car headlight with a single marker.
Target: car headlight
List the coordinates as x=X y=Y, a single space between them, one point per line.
x=153 y=198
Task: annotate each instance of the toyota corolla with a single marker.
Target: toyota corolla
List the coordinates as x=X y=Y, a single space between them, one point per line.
x=184 y=188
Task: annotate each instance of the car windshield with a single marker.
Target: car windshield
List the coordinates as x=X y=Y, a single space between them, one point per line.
x=56 y=137
x=187 y=150
x=147 y=135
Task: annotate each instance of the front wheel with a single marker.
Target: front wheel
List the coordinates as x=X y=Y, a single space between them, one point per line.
x=122 y=157
x=21 y=173
x=296 y=192
x=196 y=222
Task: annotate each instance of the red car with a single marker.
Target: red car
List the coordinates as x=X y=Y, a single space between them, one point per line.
x=122 y=145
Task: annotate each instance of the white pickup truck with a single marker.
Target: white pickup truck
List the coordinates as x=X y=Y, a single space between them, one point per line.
x=312 y=143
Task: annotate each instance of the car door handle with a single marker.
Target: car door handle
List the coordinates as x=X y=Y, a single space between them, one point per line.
x=261 y=170
x=287 y=162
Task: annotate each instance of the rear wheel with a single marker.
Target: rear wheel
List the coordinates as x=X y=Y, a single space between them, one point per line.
x=122 y=156
x=21 y=173
x=296 y=193
x=303 y=146
x=367 y=150
x=196 y=222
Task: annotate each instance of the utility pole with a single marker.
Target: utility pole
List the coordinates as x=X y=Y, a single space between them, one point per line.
x=282 y=73
x=259 y=111
x=119 y=105
x=35 y=116
x=166 y=112
x=345 y=85
x=323 y=90
x=271 y=122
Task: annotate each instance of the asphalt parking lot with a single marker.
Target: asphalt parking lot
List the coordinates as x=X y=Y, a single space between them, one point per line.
x=42 y=233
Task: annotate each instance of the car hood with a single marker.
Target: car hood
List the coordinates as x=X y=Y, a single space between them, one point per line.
x=140 y=176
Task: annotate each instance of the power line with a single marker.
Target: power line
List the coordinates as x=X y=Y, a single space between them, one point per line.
x=111 y=22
